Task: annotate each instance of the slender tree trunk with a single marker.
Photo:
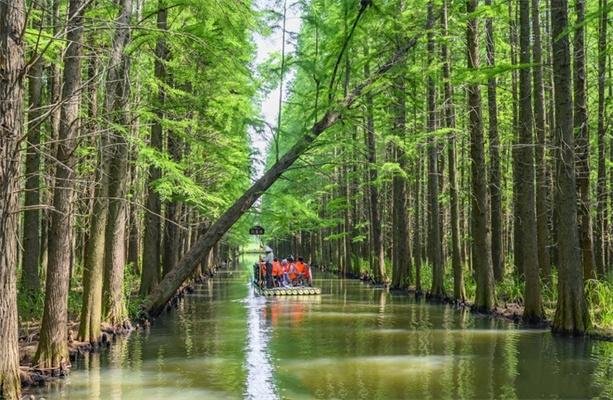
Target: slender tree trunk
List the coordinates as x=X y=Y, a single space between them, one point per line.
x=481 y=245
x=400 y=222
x=533 y=308
x=542 y=229
x=434 y=239
x=52 y=349
x=571 y=315
x=114 y=309
x=582 y=144
x=151 y=242
x=30 y=261
x=459 y=292
x=494 y=150
x=12 y=69
x=601 y=227
x=378 y=266
x=170 y=255
x=417 y=258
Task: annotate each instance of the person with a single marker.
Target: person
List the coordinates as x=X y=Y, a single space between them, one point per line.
x=285 y=269
x=268 y=259
x=292 y=273
x=303 y=271
x=277 y=272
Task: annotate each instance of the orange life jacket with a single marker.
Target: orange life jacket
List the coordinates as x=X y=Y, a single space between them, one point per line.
x=277 y=269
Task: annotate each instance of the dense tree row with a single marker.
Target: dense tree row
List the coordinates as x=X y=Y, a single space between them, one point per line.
x=124 y=134
x=478 y=170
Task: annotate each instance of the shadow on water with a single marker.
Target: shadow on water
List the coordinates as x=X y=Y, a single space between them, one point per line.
x=352 y=342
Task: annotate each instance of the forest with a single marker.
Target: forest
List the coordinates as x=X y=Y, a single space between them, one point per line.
x=460 y=150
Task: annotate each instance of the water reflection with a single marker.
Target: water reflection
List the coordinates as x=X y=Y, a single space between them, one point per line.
x=352 y=342
x=259 y=384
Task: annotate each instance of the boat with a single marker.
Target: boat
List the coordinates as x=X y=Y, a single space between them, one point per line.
x=287 y=291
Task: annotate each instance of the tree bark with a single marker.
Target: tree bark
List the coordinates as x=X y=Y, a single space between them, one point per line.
x=542 y=228
x=151 y=241
x=52 y=351
x=582 y=144
x=481 y=245
x=156 y=301
x=571 y=316
x=533 y=307
x=459 y=292
x=494 y=150
x=12 y=69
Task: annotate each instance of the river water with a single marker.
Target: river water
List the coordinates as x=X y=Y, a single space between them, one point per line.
x=352 y=342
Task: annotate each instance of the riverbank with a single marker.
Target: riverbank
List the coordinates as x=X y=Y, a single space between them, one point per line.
x=31 y=375
x=508 y=310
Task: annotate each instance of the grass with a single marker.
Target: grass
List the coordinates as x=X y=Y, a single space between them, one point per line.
x=599 y=294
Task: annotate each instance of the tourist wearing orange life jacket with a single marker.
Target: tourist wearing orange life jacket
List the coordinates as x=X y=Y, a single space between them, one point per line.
x=277 y=272
x=292 y=273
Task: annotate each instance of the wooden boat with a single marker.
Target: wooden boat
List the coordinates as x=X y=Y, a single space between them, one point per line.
x=287 y=291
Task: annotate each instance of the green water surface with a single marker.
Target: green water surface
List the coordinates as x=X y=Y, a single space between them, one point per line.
x=352 y=342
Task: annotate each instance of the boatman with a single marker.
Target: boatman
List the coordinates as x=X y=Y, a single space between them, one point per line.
x=268 y=259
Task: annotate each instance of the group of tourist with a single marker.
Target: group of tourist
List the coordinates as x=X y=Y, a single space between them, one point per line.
x=288 y=272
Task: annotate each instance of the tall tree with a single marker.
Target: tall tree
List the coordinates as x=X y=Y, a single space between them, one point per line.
x=378 y=265
x=12 y=69
x=151 y=242
x=571 y=316
x=533 y=308
x=481 y=243
x=494 y=151
x=434 y=238
x=582 y=143
x=601 y=226
x=542 y=228
x=30 y=264
x=459 y=292
x=52 y=351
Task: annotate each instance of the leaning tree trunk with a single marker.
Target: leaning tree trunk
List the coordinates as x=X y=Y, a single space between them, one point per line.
x=12 y=68
x=571 y=316
x=582 y=144
x=151 y=241
x=542 y=228
x=459 y=292
x=481 y=246
x=52 y=349
x=533 y=307
x=494 y=151
x=158 y=298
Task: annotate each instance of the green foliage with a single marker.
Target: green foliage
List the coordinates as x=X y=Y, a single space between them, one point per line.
x=599 y=295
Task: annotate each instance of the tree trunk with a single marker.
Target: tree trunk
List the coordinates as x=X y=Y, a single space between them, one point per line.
x=378 y=265
x=459 y=292
x=494 y=150
x=113 y=307
x=173 y=211
x=481 y=245
x=533 y=308
x=30 y=262
x=542 y=228
x=52 y=349
x=571 y=316
x=434 y=239
x=151 y=242
x=400 y=222
x=12 y=69
x=601 y=227
x=156 y=301
x=582 y=144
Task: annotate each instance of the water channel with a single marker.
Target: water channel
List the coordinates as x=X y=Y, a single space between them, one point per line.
x=352 y=342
